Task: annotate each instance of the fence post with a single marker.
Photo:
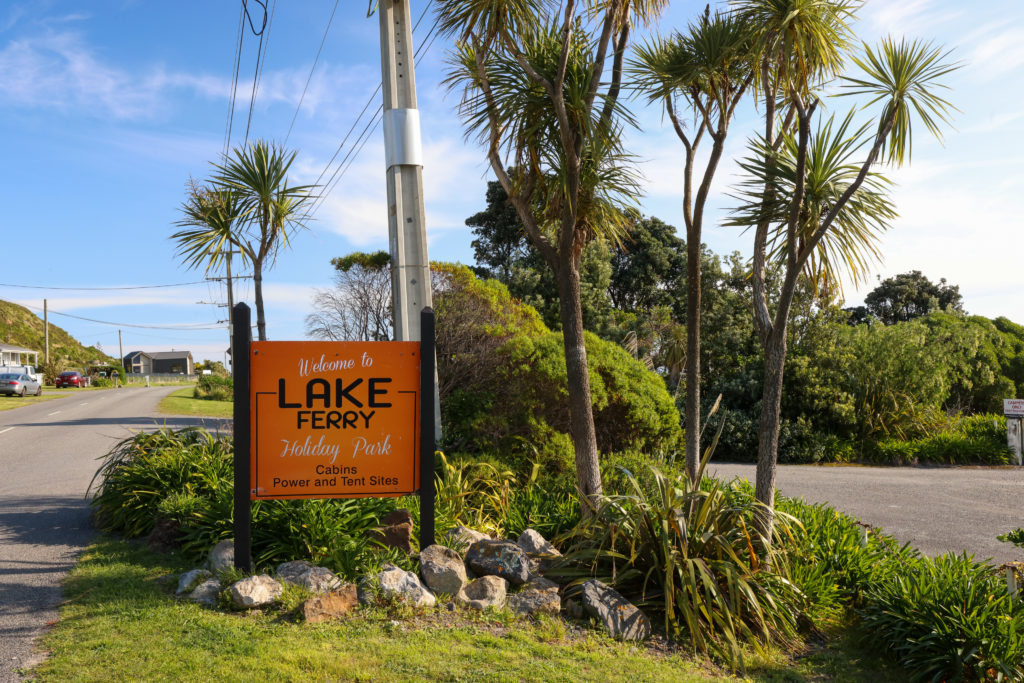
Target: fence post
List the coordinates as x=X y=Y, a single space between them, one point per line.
x=241 y=334
x=427 y=436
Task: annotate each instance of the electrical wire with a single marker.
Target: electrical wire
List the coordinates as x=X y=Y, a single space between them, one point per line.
x=363 y=138
x=259 y=52
x=96 y=289
x=183 y=327
x=312 y=69
x=234 y=79
x=261 y=61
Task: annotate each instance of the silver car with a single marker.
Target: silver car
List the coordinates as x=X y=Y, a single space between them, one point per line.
x=19 y=385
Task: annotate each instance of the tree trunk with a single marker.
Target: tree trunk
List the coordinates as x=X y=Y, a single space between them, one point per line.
x=257 y=288
x=692 y=416
x=768 y=435
x=581 y=413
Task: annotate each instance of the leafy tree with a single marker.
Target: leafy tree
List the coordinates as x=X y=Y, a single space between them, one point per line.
x=910 y=295
x=537 y=93
x=816 y=208
x=271 y=210
x=358 y=307
x=709 y=68
x=649 y=268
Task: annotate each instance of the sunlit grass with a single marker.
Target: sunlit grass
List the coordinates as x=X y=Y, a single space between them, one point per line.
x=180 y=402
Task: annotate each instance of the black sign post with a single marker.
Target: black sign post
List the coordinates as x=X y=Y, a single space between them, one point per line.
x=241 y=335
x=427 y=436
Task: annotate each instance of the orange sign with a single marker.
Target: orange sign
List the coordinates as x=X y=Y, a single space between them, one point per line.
x=334 y=419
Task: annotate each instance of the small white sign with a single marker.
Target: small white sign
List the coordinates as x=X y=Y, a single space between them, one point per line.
x=1013 y=407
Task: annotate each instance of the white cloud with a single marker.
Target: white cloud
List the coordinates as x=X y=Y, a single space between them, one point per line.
x=999 y=52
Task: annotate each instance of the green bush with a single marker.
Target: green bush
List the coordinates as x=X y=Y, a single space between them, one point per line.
x=1015 y=537
x=964 y=440
x=687 y=553
x=948 y=618
x=215 y=388
x=504 y=389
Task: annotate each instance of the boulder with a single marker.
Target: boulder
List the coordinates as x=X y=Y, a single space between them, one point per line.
x=535 y=544
x=222 y=556
x=532 y=601
x=190 y=579
x=463 y=537
x=539 y=583
x=311 y=577
x=395 y=530
x=328 y=606
x=396 y=583
x=442 y=569
x=254 y=591
x=499 y=558
x=487 y=591
x=621 y=618
x=206 y=593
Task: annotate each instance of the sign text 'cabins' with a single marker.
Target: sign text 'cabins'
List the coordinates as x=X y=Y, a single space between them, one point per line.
x=334 y=419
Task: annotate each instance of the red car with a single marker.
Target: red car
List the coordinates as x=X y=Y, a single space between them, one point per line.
x=71 y=378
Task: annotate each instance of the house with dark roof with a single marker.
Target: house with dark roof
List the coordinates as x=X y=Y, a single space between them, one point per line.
x=160 y=363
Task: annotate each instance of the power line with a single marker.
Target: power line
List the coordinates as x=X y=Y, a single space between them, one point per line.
x=260 y=61
x=96 y=289
x=184 y=327
x=312 y=69
x=234 y=79
x=363 y=137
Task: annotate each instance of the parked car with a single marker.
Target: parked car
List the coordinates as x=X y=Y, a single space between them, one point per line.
x=19 y=385
x=71 y=378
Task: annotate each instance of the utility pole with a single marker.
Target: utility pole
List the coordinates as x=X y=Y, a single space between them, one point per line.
x=231 y=318
x=120 y=350
x=46 y=334
x=403 y=159
x=407 y=233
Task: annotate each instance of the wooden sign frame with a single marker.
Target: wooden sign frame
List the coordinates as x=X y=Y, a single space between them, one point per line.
x=270 y=409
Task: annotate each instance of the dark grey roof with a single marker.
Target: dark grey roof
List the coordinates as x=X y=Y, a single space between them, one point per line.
x=170 y=355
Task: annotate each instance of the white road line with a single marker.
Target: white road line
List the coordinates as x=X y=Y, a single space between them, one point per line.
x=53 y=413
x=6 y=430
x=84 y=404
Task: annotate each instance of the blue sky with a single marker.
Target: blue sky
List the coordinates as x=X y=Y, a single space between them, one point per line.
x=107 y=108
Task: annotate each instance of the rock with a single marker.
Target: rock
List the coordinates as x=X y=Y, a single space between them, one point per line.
x=535 y=544
x=222 y=556
x=206 y=593
x=532 y=601
x=463 y=537
x=311 y=577
x=539 y=583
x=397 y=583
x=190 y=579
x=254 y=591
x=487 y=591
x=395 y=530
x=499 y=558
x=442 y=569
x=619 y=616
x=572 y=609
x=328 y=606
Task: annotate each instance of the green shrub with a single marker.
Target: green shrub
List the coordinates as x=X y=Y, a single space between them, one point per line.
x=215 y=388
x=687 y=554
x=1015 y=537
x=963 y=440
x=948 y=618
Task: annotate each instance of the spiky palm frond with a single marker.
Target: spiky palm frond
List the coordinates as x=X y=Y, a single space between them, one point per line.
x=850 y=245
x=211 y=231
x=461 y=18
x=711 y=59
x=905 y=76
x=803 y=40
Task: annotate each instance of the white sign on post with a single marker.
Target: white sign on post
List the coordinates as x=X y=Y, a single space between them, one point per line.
x=1013 y=407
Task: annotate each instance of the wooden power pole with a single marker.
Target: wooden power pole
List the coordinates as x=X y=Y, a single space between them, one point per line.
x=46 y=334
x=407 y=232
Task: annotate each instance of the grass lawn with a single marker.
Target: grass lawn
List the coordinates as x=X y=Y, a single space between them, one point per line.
x=12 y=402
x=120 y=621
x=181 y=402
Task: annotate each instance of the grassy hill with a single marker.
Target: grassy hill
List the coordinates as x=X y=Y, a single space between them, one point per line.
x=21 y=327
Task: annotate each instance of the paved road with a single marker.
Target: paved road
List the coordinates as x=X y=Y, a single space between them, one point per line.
x=937 y=509
x=48 y=455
